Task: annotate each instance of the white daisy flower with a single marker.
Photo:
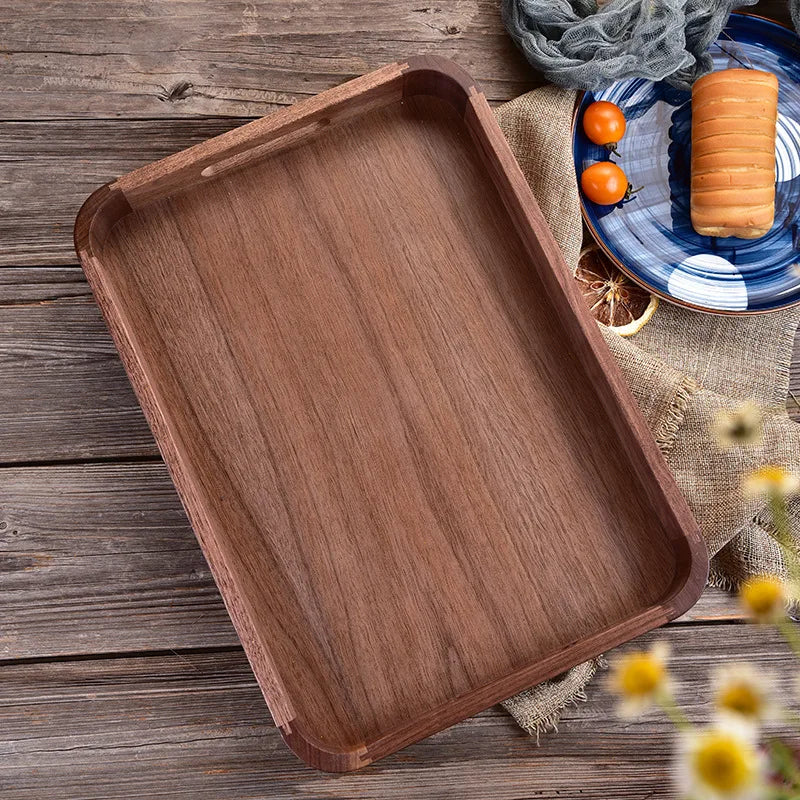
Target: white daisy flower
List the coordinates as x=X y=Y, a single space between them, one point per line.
x=745 y=693
x=640 y=679
x=720 y=763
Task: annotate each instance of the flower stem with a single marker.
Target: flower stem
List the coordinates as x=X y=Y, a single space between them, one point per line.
x=783 y=762
x=780 y=521
x=791 y=717
x=787 y=628
x=674 y=712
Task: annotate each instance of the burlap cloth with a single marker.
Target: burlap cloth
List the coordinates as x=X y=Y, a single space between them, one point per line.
x=682 y=367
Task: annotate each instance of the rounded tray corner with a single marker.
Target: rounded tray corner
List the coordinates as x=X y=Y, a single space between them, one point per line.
x=689 y=585
x=441 y=77
x=101 y=210
x=322 y=755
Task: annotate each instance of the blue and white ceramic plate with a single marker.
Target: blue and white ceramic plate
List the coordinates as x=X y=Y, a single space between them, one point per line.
x=650 y=237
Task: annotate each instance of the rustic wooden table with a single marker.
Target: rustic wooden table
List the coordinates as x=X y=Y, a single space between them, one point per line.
x=121 y=675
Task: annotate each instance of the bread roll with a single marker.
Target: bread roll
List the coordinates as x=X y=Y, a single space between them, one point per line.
x=734 y=112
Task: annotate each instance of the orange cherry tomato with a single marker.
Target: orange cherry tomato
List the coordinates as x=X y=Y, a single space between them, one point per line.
x=604 y=124
x=605 y=183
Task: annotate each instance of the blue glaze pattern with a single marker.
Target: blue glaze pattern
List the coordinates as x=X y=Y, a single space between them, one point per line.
x=651 y=235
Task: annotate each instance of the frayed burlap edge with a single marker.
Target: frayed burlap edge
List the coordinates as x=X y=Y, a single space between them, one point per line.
x=783 y=369
x=730 y=570
x=667 y=432
x=538 y=710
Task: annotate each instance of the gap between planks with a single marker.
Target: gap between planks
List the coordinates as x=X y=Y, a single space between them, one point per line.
x=64 y=396
x=100 y=558
x=196 y=727
x=217 y=59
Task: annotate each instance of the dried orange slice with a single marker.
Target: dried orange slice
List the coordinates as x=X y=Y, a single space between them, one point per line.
x=613 y=298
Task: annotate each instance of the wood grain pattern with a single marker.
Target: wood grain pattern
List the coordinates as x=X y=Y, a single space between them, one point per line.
x=44 y=286
x=63 y=392
x=323 y=359
x=100 y=558
x=191 y=726
x=218 y=57
x=48 y=169
x=82 y=407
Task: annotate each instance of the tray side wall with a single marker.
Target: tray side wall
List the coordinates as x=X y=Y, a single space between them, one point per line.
x=420 y=76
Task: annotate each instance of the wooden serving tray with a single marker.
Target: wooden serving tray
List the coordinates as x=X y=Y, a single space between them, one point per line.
x=415 y=470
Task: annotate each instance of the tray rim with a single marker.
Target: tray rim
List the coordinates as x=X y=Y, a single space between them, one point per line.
x=416 y=75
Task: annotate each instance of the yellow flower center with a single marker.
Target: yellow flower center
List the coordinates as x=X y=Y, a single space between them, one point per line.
x=741 y=698
x=724 y=763
x=640 y=674
x=772 y=475
x=776 y=482
x=763 y=596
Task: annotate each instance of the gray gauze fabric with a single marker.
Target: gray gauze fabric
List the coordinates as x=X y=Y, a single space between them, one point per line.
x=582 y=45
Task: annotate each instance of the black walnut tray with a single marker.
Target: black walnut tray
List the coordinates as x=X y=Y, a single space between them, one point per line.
x=413 y=465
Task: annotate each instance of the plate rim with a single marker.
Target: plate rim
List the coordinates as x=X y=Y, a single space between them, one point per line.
x=626 y=270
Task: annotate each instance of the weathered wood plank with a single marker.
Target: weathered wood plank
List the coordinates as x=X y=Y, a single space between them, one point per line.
x=55 y=285
x=194 y=726
x=100 y=558
x=49 y=168
x=714 y=606
x=81 y=58
x=63 y=392
x=236 y=59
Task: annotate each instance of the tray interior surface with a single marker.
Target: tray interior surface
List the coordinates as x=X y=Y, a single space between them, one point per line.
x=411 y=479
